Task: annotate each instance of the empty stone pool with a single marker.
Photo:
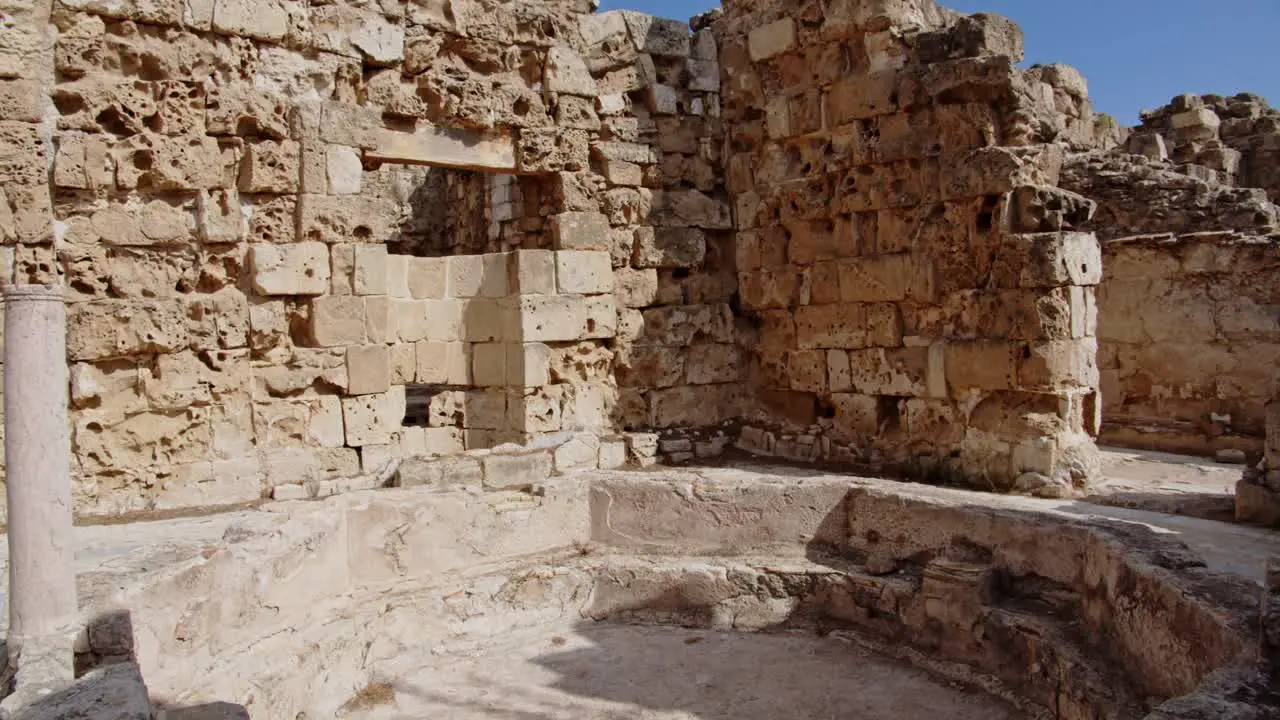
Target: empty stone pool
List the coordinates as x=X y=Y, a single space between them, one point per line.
x=749 y=592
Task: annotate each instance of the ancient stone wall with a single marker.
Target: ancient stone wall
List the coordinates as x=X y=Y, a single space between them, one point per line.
x=1188 y=341
x=670 y=225
x=302 y=241
x=1234 y=140
x=1187 y=312
x=903 y=251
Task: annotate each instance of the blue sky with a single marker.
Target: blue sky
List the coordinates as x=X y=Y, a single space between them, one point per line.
x=1136 y=53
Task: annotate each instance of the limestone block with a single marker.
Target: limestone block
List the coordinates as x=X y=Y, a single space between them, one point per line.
x=544 y=150
x=981 y=365
x=610 y=105
x=663 y=99
x=832 y=326
x=692 y=405
x=489 y=364
x=404 y=363
x=621 y=172
x=1200 y=123
x=270 y=167
x=485 y=409
x=565 y=72
x=427 y=278
x=1058 y=365
x=398 y=276
x=528 y=364
x=886 y=278
x=583 y=272
x=313 y=171
x=613 y=453
x=296 y=269
x=324 y=422
x=445 y=147
x=580 y=231
x=272 y=218
x=581 y=452
x=446 y=319
x=409 y=320
x=552 y=318
x=343 y=170
x=533 y=272
x=901 y=372
x=657 y=36
x=504 y=471
x=478 y=275
x=368 y=369
x=443 y=363
x=337 y=320
x=351 y=125
x=772 y=40
x=535 y=410
x=370 y=276
x=807 y=370
x=602 y=317
x=363 y=419
x=344 y=218
x=857 y=416
x=670 y=247
x=691 y=208
x=379 y=325
x=356 y=32
x=636 y=288
x=487 y=320
x=261 y=19
x=704 y=75
x=712 y=363
x=445 y=441
x=342 y=263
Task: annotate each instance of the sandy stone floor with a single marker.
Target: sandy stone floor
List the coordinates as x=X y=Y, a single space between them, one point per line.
x=610 y=671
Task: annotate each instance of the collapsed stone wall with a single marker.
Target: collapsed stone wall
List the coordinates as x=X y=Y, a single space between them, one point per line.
x=903 y=250
x=1234 y=140
x=1187 y=308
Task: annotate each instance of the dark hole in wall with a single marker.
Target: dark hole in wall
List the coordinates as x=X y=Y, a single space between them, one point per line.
x=987 y=215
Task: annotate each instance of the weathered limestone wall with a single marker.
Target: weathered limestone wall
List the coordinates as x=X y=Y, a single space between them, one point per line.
x=1189 y=341
x=226 y=181
x=1235 y=140
x=1187 y=309
x=669 y=220
x=304 y=240
x=903 y=252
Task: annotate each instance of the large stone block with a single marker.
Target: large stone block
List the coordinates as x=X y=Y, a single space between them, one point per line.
x=565 y=72
x=337 y=320
x=118 y=328
x=443 y=363
x=528 y=364
x=658 y=36
x=533 y=272
x=296 y=269
x=670 y=247
x=771 y=40
x=370 y=277
x=368 y=369
x=583 y=272
x=428 y=278
x=478 y=275
x=580 y=231
x=981 y=365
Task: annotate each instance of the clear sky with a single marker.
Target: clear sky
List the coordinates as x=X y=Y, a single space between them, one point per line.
x=1136 y=54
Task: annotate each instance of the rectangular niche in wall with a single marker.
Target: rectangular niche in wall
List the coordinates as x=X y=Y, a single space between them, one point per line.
x=451 y=211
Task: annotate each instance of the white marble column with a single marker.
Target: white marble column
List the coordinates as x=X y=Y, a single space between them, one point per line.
x=42 y=590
